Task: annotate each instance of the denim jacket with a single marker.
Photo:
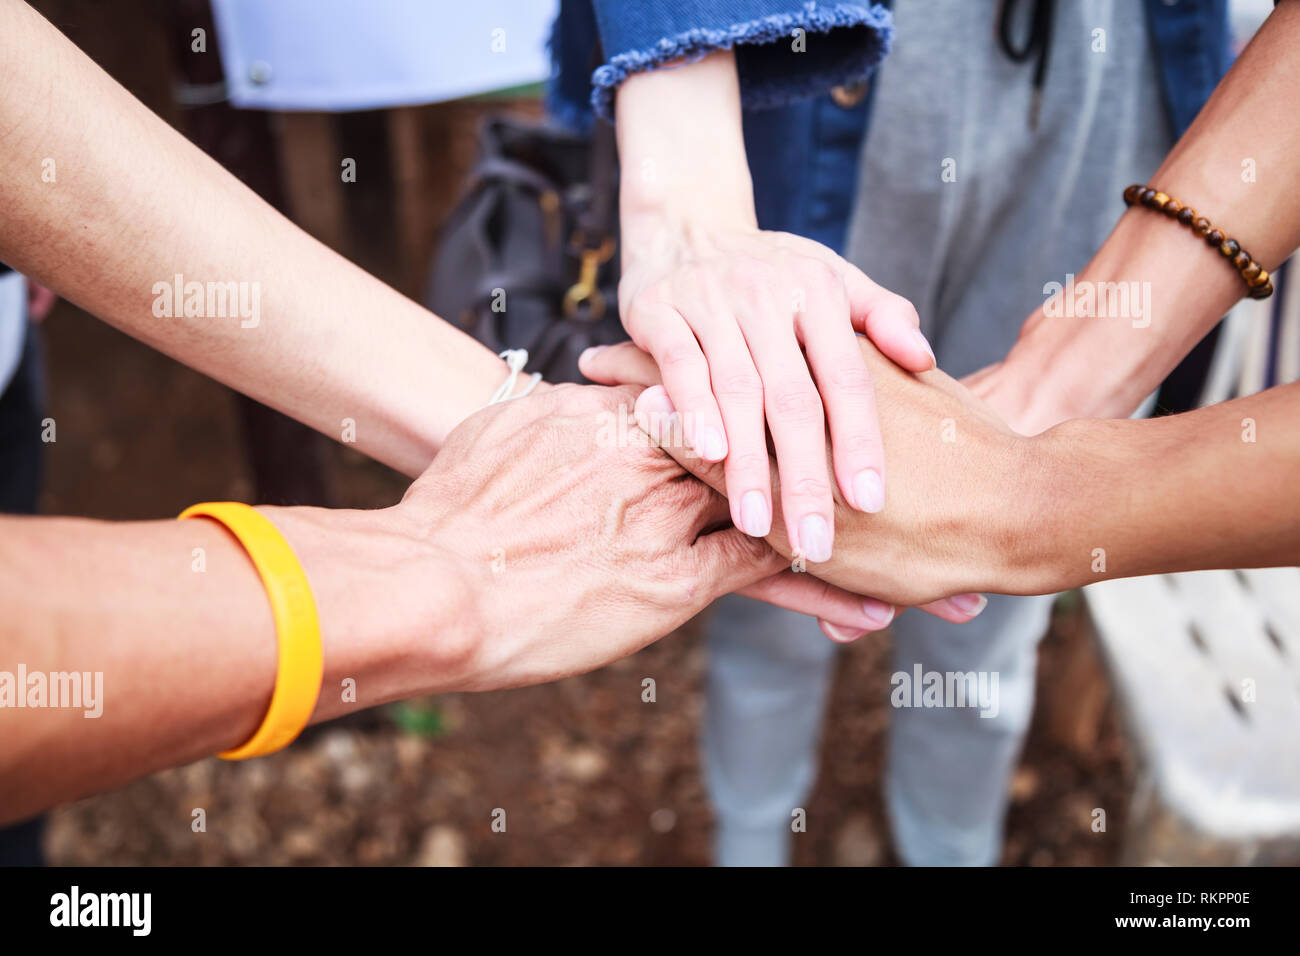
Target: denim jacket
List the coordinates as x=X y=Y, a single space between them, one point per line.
x=786 y=50
x=802 y=144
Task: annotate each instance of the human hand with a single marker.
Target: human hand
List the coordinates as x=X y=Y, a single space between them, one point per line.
x=578 y=547
x=951 y=528
x=748 y=326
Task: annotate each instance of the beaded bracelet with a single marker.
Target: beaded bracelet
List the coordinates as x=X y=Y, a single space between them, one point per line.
x=1258 y=282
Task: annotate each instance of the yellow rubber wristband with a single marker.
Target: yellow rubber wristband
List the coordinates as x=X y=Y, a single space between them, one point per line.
x=297 y=627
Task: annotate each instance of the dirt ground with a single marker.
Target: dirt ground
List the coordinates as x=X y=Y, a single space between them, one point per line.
x=586 y=772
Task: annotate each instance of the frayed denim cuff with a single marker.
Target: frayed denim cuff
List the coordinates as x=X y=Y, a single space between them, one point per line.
x=841 y=43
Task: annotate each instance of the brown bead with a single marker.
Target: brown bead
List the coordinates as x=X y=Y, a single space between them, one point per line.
x=1202 y=227
x=1259 y=279
x=1186 y=215
x=1147 y=195
x=1173 y=208
x=1250 y=271
x=1229 y=248
x=1246 y=254
x=1215 y=237
x=1131 y=194
x=1158 y=200
x=1240 y=260
x=1261 y=291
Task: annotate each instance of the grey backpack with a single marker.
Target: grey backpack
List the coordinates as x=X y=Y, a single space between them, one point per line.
x=527 y=259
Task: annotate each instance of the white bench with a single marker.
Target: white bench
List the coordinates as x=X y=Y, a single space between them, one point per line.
x=1206 y=666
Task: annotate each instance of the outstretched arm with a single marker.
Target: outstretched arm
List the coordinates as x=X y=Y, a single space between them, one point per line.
x=494 y=571
x=1237 y=164
x=983 y=508
x=753 y=329
x=102 y=201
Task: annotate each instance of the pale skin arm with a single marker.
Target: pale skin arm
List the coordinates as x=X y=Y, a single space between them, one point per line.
x=1104 y=367
x=133 y=203
x=753 y=329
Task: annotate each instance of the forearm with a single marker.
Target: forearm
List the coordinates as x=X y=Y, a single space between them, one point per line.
x=1213 y=488
x=682 y=153
x=168 y=625
x=100 y=200
x=1237 y=165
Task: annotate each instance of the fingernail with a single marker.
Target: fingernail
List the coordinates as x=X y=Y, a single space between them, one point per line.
x=755 y=515
x=710 y=444
x=969 y=604
x=877 y=612
x=653 y=409
x=655 y=401
x=842 y=635
x=815 y=538
x=925 y=344
x=656 y=416
x=590 y=353
x=868 y=491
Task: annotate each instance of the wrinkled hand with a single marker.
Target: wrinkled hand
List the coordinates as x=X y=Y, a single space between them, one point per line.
x=751 y=328
x=580 y=542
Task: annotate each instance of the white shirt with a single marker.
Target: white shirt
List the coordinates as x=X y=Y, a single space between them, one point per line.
x=13 y=323
x=346 y=55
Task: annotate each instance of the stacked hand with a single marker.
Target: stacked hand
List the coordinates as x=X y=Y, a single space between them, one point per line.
x=940 y=536
x=577 y=548
x=751 y=329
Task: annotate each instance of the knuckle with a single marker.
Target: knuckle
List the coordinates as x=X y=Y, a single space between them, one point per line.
x=860 y=444
x=749 y=463
x=850 y=377
x=753 y=550
x=679 y=354
x=907 y=311
x=818 y=273
x=740 y=550
x=749 y=276
x=710 y=291
x=740 y=387
x=799 y=403
x=808 y=487
x=674 y=506
x=690 y=277
x=638 y=318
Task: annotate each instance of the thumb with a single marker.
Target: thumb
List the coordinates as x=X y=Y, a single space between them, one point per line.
x=730 y=560
x=658 y=418
x=621 y=364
